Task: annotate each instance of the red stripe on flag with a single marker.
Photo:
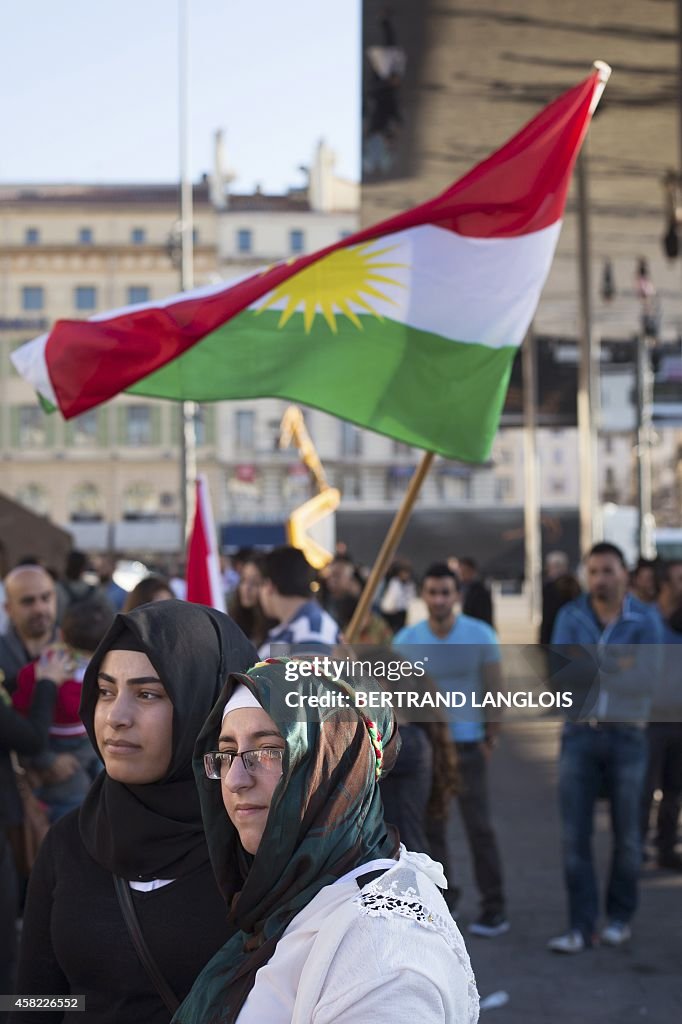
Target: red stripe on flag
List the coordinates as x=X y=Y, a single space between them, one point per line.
x=198 y=582
x=201 y=551
x=521 y=188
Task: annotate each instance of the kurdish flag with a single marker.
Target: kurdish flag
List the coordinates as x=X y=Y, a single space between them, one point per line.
x=409 y=327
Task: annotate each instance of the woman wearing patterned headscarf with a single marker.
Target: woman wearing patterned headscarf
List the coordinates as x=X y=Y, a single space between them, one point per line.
x=138 y=837
x=332 y=921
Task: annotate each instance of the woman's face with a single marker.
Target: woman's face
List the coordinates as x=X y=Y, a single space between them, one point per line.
x=247 y=796
x=133 y=719
x=249 y=585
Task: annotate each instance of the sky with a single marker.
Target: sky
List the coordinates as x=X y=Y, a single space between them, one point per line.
x=89 y=89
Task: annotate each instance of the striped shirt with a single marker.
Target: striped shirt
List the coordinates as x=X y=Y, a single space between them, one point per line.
x=311 y=627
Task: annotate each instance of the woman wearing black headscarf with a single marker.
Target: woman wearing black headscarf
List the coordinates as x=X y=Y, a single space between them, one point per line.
x=146 y=693
x=332 y=922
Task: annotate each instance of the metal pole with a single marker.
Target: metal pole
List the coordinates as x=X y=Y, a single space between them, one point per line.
x=679 y=81
x=588 y=372
x=188 y=439
x=531 y=500
x=647 y=547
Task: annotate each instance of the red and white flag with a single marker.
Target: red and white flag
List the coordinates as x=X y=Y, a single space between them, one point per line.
x=204 y=585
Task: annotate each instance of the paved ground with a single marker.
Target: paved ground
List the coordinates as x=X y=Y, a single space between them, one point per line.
x=642 y=982
x=638 y=983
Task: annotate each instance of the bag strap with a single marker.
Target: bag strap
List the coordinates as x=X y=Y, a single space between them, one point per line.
x=369 y=876
x=141 y=948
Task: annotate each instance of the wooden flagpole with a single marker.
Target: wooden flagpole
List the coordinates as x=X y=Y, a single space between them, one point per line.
x=389 y=547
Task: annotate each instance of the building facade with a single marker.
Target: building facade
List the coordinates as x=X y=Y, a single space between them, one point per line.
x=110 y=476
x=446 y=84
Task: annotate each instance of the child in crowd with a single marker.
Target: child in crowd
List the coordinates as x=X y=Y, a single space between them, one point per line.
x=66 y=769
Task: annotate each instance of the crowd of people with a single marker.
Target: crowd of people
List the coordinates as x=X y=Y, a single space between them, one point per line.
x=176 y=789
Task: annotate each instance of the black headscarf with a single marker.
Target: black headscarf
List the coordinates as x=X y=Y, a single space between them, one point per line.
x=155 y=830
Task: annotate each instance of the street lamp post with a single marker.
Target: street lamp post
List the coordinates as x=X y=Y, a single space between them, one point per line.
x=188 y=440
x=644 y=389
x=588 y=372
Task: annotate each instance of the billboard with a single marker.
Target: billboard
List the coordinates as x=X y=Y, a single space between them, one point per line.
x=392 y=52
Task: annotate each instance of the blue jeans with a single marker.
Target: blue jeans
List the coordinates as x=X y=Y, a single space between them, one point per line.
x=606 y=760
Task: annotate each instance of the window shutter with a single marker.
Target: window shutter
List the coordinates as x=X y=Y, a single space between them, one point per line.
x=14 y=426
x=122 y=424
x=50 y=428
x=209 y=423
x=155 y=425
x=102 y=427
x=175 y=422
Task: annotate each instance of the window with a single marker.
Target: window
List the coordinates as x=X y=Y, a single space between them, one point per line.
x=140 y=500
x=274 y=427
x=244 y=240
x=85 y=504
x=85 y=428
x=85 y=297
x=195 y=236
x=138 y=236
x=296 y=241
x=557 y=485
x=138 y=424
x=345 y=234
x=85 y=236
x=400 y=448
x=454 y=488
x=32 y=427
x=503 y=488
x=138 y=293
x=200 y=425
x=245 y=430
x=558 y=457
x=32 y=297
x=351 y=439
x=351 y=486
x=397 y=481
x=32 y=236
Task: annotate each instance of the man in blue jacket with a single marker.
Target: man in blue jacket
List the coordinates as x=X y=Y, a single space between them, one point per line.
x=612 y=637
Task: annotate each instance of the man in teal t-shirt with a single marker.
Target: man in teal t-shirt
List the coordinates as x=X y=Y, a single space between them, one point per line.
x=463 y=655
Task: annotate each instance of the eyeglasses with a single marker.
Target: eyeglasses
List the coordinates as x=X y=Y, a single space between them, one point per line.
x=264 y=761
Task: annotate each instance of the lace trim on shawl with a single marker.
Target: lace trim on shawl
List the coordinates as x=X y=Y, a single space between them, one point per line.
x=397 y=891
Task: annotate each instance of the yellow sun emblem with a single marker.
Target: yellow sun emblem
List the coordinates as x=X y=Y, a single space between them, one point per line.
x=347 y=275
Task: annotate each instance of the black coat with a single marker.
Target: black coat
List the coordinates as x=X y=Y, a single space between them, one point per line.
x=25 y=736
x=478 y=602
x=80 y=942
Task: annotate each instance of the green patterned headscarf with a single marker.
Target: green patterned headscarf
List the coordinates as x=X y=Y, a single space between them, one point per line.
x=325 y=818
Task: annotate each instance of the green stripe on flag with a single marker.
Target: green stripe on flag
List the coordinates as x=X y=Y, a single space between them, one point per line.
x=417 y=387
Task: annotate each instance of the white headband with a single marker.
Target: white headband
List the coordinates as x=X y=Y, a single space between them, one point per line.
x=241 y=698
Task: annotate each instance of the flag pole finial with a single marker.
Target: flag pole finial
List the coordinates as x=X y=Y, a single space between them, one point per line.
x=604 y=70
x=603 y=74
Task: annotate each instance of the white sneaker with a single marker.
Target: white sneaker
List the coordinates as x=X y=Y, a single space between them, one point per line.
x=616 y=933
x=571 y=942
